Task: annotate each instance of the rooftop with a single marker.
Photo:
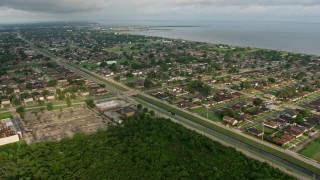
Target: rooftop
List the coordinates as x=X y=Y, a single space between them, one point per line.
x=108 y=105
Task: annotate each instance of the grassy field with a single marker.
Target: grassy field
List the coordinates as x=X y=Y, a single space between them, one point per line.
x=5 y=115
x=312 y=150
x=231 y=134
x=202 y=111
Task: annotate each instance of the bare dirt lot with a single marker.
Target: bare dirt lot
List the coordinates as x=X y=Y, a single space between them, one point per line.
x=55 y=125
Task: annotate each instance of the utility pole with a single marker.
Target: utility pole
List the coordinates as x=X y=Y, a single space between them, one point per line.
x=262 y=129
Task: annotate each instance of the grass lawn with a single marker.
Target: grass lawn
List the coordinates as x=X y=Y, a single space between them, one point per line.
x=299 y=140
x=89 y=65
x=5 y=115
x=120 y=61
x=100 y=97
x=199 y=110
x=55 y=107
x=212 y=116
x=317 y=127
x=312 y=150
x=202 y=111
x=130 y=79
x=279 y=134
x=66 y=107
x=266 y=129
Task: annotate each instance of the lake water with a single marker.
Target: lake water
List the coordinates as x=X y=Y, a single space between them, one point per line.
x=303 y=37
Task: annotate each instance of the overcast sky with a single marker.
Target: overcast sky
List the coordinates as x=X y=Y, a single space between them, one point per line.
x=16 y=11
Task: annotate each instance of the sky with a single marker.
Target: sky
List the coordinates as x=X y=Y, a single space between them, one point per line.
x=22 y=11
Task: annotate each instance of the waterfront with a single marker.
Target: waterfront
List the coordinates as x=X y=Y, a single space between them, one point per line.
x=289 y=36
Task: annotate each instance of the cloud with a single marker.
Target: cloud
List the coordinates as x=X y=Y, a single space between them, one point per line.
x=73 y=6
x=55 y=6
x=247 y=2
x=18 y=10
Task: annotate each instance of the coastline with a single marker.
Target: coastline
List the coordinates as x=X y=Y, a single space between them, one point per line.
x=282 y=41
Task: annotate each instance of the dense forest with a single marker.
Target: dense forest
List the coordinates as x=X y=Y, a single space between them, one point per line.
x=144 y=148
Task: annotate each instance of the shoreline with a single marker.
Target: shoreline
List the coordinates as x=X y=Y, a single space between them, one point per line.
x=172 y=33
x=213 y=43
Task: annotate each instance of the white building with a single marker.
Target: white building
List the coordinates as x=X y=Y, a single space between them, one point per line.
x=111 y=62
x=5 y=102
x=108 y=105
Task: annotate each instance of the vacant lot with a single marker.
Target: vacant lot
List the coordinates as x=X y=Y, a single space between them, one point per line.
x=55 y=125
x=312 y=150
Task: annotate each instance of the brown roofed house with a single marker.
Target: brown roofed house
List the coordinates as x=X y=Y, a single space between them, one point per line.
x=230 y=120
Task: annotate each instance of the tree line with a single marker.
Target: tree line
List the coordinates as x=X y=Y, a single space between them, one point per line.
x=146 y=147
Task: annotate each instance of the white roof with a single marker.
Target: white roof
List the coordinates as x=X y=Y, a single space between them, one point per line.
x=111 y=62
x=108 y=104
x=8 y=122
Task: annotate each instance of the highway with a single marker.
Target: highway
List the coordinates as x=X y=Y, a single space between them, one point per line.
x=183 y=120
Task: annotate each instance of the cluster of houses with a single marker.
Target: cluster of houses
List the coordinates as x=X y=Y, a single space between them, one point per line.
x=32 y=84
x=286 y=129
x=95 y=89
x=24 y=85
x=244 y=110
x=102 y=48
x=315 y=105
x=193 y=99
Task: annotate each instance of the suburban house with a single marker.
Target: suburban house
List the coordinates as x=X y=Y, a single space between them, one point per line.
x=285 y=139
x=5 y=102
x=50 y=96
x=255 y=131
x=295 y=131
x=230 y=120
x=274 y=124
